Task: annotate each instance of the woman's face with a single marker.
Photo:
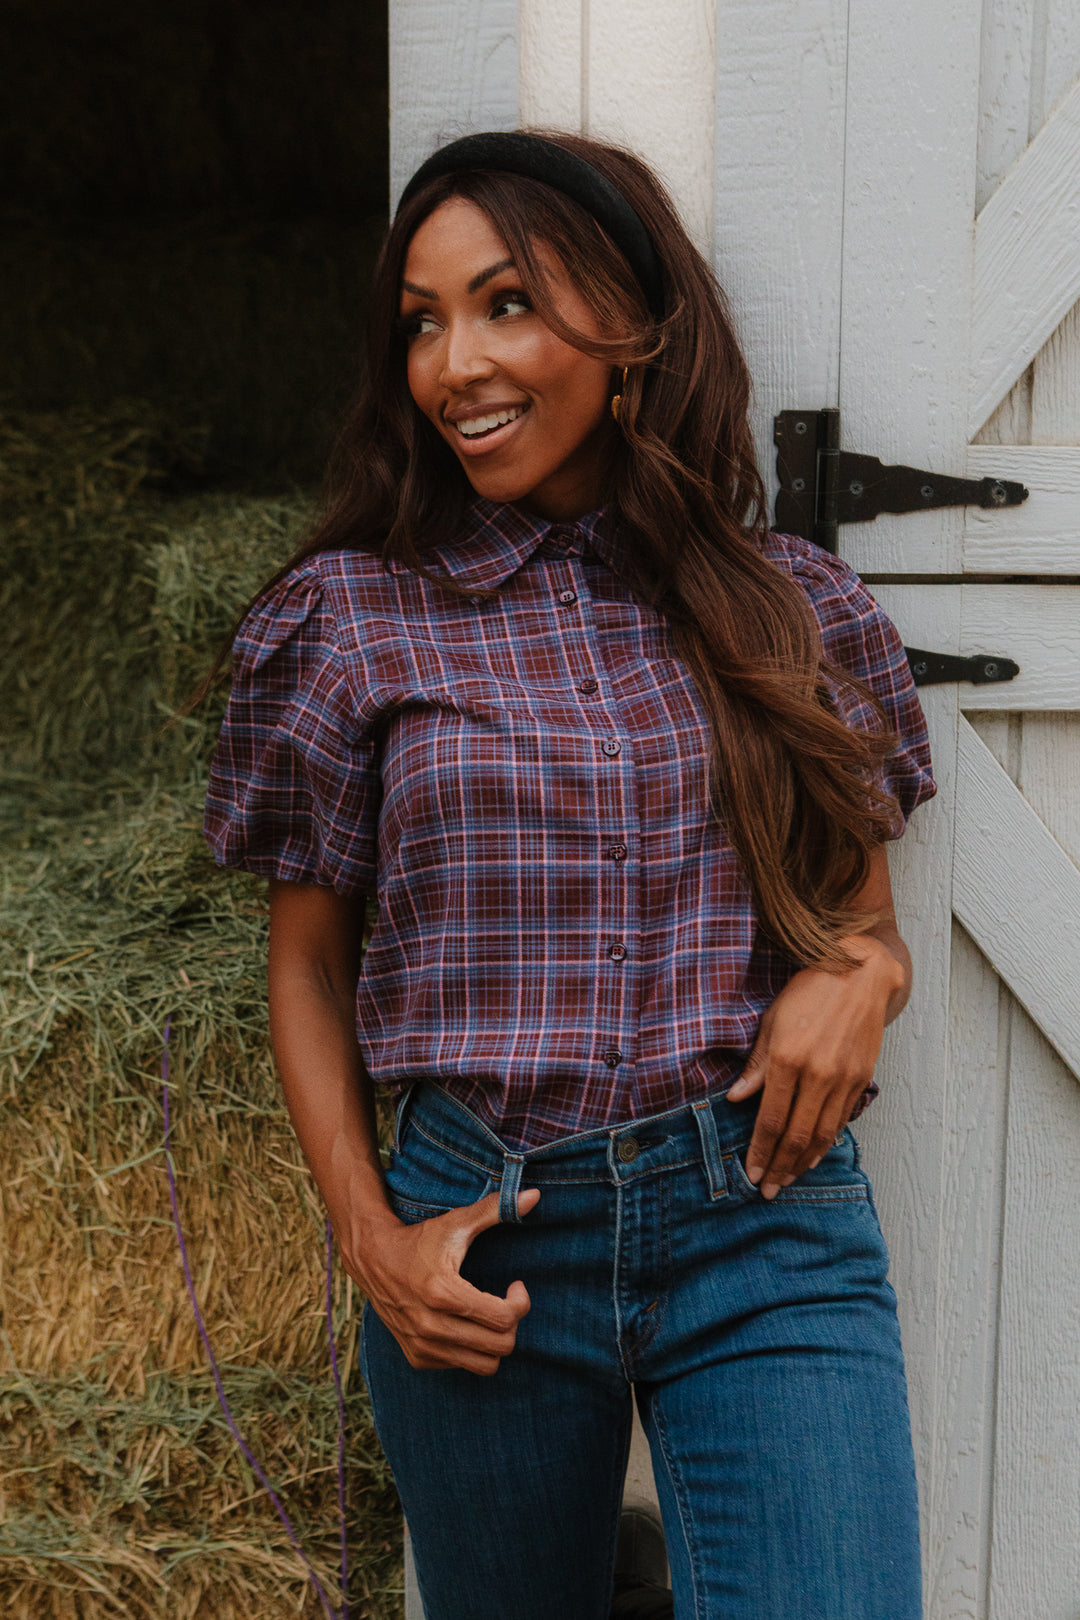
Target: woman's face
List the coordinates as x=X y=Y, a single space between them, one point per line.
x=527 y=416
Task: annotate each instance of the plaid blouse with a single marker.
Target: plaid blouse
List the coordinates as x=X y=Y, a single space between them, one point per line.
x=564 y=937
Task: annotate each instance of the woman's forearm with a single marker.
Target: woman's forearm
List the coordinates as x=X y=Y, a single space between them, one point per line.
x=314 y=960
x=410 y=1272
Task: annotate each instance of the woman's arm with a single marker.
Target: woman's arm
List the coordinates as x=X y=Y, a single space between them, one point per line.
x=819 y=1041
x=410 y=1273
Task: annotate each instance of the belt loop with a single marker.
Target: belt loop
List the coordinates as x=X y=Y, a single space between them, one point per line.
x=710 y=1148
x=510 y=1186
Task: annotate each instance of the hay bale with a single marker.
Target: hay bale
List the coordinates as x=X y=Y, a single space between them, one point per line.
x=120 y=1489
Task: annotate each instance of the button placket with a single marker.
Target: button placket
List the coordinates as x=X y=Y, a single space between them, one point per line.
x=616 y=805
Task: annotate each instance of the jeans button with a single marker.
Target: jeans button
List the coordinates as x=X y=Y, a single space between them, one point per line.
x=628 y=1150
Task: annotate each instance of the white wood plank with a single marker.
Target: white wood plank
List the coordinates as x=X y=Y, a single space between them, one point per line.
x=1010 y=422
x=1055 y=386
x=1027 y=259
x=780 y=92
x=910 y=178
x=1061 y=53
x=1035 y=1572
x=453 y=69
x=1043 y=535
x=1004 y=90
x=1037 y=625
x=1049 y=775
x=904 y=1134
x=649 y=82
x=550 y=63
x=1009 y=867
x=1001 y=734
x=909 y=198
x=967 y=1322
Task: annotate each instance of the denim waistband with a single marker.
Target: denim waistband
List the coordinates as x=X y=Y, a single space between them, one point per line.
x=698 y=1132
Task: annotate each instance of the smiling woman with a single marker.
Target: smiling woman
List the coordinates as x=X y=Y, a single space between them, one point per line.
x=526 y=413
x=619 y=765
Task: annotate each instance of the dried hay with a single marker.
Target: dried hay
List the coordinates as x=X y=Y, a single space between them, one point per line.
x=121 y=1491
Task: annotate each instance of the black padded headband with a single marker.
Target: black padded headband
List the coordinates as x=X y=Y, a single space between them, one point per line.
x=536 y=159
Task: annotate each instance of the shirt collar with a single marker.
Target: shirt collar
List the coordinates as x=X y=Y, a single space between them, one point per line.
x=496 y=538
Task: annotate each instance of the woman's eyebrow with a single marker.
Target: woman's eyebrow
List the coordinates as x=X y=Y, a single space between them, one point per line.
x=485 y=275
x=474 y=285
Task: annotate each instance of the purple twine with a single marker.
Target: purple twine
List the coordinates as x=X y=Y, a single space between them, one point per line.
x=229 y=1419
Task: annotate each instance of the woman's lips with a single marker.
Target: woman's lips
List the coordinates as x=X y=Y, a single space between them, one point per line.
x=487 y=440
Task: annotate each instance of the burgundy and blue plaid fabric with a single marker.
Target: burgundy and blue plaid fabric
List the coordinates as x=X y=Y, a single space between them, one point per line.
x=564 y=937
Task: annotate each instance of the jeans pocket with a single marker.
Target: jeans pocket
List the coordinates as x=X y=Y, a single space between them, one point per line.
x=425 y=1179
x=837 y=1178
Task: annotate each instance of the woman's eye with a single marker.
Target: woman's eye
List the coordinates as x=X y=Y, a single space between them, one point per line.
x=511 y=304
x=416 y=325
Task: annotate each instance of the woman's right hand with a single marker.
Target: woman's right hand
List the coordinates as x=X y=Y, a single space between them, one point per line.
x=411 y=1274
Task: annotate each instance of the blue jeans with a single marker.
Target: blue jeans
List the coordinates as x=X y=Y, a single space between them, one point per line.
x=759 y=1338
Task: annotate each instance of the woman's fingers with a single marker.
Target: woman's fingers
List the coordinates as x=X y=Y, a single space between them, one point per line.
x=771 y=1122
x=437 y=1316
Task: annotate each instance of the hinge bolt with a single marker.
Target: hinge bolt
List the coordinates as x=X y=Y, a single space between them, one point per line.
x=927 y=492
x=990 y=671
x=856 y=489
x=800 y=427
x=998 y=494
x=798 y=484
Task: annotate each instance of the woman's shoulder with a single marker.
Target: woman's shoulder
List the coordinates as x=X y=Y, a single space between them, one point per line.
x=322 y=598
x=833 y=588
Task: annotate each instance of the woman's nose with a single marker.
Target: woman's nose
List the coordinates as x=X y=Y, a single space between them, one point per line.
x=465 y=357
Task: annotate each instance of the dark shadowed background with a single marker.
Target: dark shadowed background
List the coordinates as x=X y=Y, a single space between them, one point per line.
x=190 y=198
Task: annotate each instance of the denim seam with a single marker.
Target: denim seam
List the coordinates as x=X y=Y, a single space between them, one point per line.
x=455 y=1153
x=852 y=1193
x=682 y=1507
x=615 y=1282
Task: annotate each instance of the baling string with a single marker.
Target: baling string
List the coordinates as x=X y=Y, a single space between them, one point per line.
x=229 y=1419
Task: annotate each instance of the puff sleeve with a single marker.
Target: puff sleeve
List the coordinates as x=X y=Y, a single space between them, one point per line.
x=859 y=637
x=294 y=783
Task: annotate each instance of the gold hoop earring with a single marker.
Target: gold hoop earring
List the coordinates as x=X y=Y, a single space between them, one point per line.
x=617 y=398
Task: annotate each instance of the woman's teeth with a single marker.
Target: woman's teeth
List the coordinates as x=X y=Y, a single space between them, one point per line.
x=485 y=424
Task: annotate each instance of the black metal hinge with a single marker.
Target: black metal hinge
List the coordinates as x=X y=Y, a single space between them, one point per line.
x=822 y=486
x=931 y=668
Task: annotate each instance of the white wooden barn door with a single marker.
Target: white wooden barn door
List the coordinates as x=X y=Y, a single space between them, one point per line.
x=909 y=180
x=891 y=194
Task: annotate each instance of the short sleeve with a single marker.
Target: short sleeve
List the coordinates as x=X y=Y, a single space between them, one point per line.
x=294 y=782
x=861 y=639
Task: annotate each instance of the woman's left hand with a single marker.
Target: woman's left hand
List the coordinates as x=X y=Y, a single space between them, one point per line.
x=817 y=1045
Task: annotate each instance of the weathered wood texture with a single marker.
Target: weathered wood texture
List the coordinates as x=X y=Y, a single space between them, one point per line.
x=908 y=189
x=1018 y=895
x=780 y=96
x=629 y=71
x=453 y=69
x=1043 y=535
x=1027 y=259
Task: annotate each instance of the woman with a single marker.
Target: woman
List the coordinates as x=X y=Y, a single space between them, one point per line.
x=619 y=766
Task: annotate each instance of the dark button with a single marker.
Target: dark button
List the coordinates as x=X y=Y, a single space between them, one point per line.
x=628 y=1150
x=611 y=746
x=588 y=686
x=617 y=953
x=617 y=852
x=568 y=597
x=612 y=1059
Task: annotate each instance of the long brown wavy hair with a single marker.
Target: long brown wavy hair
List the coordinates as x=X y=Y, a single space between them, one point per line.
x=796 y=788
